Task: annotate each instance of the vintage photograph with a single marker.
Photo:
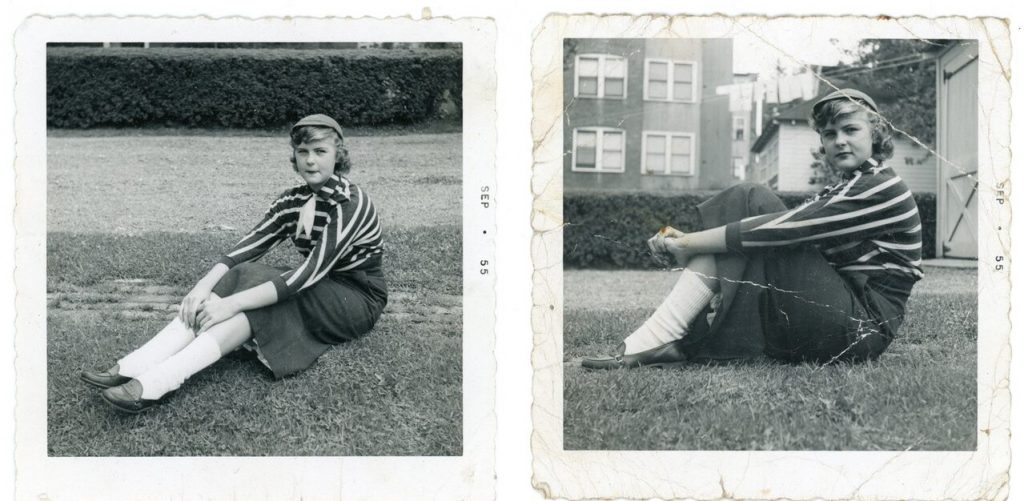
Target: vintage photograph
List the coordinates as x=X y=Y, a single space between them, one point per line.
x=794 y=244
x=760 y=251
x=254 y=249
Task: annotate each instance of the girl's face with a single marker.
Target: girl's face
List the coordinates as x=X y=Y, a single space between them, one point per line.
x=315 y=160
x=847 y=141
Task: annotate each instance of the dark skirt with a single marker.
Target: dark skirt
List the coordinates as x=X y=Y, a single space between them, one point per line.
x=788 y=303
x=291 y=334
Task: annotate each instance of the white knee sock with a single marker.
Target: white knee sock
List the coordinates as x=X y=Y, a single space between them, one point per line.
x=171 y=373
x=167 y=342
x=672 y=318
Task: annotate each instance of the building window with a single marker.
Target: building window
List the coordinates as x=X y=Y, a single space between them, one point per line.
x=598 y=149
x=666 y=80
x=739 y=128
x=739 y=168
x=669 y=153
x=600 y=76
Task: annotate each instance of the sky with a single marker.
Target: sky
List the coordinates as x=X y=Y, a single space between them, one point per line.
x=752 y=55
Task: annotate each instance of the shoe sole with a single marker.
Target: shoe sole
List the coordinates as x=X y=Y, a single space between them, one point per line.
x=94 y=383
x=131 y=410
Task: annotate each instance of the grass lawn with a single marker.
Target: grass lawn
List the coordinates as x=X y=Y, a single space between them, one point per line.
x=159 y=210
x=920 y=395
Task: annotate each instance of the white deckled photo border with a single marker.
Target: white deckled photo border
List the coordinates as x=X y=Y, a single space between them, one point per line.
x=469 y=476
x=979 y=474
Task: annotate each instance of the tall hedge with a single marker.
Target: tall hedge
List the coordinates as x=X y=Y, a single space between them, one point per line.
x=246 y=88
x=610 y=230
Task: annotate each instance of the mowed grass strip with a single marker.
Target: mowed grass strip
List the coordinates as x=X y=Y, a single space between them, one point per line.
x=920 y=395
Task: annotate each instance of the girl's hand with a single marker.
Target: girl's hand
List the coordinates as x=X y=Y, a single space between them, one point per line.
x=670 y=232
x=675 y=248
x=192 y=304
x=661 y=247
x=656 y=245
x=214 y=311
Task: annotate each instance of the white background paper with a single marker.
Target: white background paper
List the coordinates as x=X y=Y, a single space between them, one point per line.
x=516 y=22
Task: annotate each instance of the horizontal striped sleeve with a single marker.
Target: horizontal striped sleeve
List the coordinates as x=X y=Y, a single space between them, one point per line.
x=348 y=222
x=271 y=230
x=868 y=206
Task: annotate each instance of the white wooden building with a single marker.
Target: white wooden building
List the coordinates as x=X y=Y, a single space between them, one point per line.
x=956 y=134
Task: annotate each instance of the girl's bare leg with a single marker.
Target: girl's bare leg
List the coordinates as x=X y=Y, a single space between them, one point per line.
x=704 y=267
x=690 y=295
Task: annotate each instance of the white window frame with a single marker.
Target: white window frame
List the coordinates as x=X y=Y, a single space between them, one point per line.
x=668 y=153
x=602 y=58
x=671 y=97
x=739 y=167
x=743 y=126
x=599 y=147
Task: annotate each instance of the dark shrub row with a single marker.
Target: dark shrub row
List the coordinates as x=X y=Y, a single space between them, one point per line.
x=610 y=230
x=245 y=88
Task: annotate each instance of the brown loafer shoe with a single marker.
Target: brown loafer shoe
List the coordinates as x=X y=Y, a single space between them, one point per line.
x=128 y=397
x=104 y=379
x=665 y=356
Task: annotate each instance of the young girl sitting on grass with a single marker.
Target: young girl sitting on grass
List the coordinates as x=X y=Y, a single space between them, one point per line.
x=289 y=317
x=825 y=282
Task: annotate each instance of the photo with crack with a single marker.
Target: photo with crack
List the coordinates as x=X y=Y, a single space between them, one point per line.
x=769 y=253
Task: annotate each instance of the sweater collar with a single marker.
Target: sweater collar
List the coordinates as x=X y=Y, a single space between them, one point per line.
x=336 y=188
x=870 y=166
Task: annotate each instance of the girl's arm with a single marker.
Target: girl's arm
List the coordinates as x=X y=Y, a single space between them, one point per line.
x=683 y=246
x=270 y=231
x=700 y=242
x=868 y=206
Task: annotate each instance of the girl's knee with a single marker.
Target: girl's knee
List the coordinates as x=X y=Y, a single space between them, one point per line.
x=240 y=277
x=760 y=198
x=747 y=186
x=249 y=275
x=751 y=189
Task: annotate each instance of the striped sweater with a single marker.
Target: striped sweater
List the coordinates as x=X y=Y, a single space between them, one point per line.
x=346 y=235
x=867 y=224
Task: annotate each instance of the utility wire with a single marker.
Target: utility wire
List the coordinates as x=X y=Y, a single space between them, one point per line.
x=878 y=68
x=879 y=62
